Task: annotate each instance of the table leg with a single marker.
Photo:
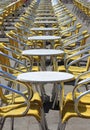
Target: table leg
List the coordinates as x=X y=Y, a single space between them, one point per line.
x=45 y=98
x=43 y=61
x=61 y=95
x=58 y=92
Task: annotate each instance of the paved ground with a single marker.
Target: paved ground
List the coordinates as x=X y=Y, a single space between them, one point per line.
x=52 y=116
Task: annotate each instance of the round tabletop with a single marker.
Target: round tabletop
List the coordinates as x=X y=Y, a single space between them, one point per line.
x=45 y=14
x=45 y=77
x=44 y=29
x=42 y=52
x=45 y=22
x=39 y=18
x=44 y=37
x=43 y=10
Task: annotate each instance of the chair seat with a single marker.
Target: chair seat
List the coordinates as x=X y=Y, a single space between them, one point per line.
x=72 y=69
x=34 y=68
x=17 y=99
x=17 y=110
x=67 y=35
x=69 y=111
x=29 y=43
x=63 y=28
x=83 y=100
x=85 y=76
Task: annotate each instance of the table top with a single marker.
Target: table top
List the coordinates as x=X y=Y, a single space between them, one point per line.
x=45 y=77
x=43 y=29
x=45 y=22
x=39 y=18
x=44 y=37
x=45 y=14
x=46 y=10
x=42 y=52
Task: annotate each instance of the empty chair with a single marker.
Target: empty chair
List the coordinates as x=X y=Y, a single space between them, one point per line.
x=75 y=104
x=75 y=66
x=19 y=103
x=19 y=63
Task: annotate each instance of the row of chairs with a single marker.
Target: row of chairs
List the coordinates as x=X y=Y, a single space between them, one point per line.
x=77 y=62
x=10 y=11
x=82 y=9
x=18 y=103
x=74 y=41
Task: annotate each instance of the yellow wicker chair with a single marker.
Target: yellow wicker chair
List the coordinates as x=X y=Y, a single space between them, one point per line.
x=75 y=104
x=19 y=103
x=73 y=66
x=2 y=25
x=20 y=63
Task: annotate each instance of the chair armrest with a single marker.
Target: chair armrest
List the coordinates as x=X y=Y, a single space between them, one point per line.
x=27 y=102
x=19 y=42
x=80 y=48
x=77 y=35
x=15 y=60
x=8 y=76
x=18 y=53
x=78 y=78
x=77 y=97
x=68 y=58
x=73 y=41
x=78 y=100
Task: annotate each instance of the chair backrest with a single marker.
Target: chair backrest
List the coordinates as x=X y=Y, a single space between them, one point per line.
x=75 y=36
x=4 y=60
x=85 y=54
x=14 y=91
x=79 y=41
x=16 y=39
x=68 y=23
x=72 y=29
x=82 y=98
x=66 y=17
x=9 y=63
x=82 y=76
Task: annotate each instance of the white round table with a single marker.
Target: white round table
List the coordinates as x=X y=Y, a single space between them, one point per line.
x=46 y=22
x=42 y=52
x=44 y=29
x=42 y=77
x=43 y=10
x=44 y=37
x=44 y=18
x=45 y=77
x=45 y=14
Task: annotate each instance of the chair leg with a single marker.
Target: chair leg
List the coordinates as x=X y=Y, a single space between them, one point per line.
x=43 y=121
x=2 y=121
x=12 y=123
x=54 y=96
x=2 y=31
x=61 y=126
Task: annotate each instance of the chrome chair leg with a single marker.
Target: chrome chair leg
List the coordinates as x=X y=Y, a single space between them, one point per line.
x=61 y=126
x=2 y=121
x=12 y=123
x=44 y=121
